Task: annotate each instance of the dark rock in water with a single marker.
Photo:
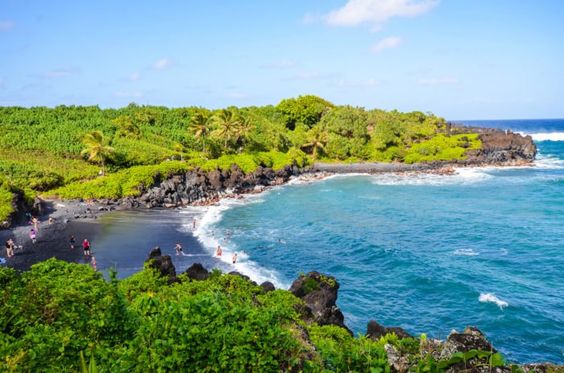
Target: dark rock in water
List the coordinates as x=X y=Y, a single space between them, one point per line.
x=503 y=147
x=197 y=272
x=235 y=273
x=162 y=263
x=319 y=293
x=267 y=286
x=375 y=331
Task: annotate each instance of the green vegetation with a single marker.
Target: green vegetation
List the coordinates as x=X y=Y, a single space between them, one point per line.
x=62 y=316
x=65 y=150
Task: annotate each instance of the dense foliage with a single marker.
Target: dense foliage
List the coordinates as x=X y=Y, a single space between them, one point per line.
x=62 y=316
x=45 y=149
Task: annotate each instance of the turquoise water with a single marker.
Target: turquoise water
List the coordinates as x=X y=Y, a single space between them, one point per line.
x=428 y=253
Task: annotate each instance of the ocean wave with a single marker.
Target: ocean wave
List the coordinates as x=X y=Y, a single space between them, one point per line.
x=466 y=252
x=492 y=298
x=545 y=136
x=211 y=237
x=549 y=162
x=470 y=175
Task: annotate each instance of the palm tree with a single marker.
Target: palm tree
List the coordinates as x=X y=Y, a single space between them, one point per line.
x=241 y=130
x=95 y=149
x=199 y=126
x=227 y=122
x=317 y=140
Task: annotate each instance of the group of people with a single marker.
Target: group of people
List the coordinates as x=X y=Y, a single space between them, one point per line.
x=219 y=253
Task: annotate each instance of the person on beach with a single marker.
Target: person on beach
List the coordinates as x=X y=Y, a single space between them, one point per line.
x=72 y=241
x=93 y=263
x=194 y=224
x=234 y=258
x=86 y=247
x=32 y=235
x=218 y=252
x=35 y=223
x=9 y=248
x=178 y=249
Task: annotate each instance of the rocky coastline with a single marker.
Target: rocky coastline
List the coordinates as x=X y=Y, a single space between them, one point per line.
x=319 y=293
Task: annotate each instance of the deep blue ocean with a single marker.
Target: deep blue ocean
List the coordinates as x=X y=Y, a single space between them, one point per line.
x=429 y=253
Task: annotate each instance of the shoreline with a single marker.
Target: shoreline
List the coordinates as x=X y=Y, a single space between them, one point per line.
x=78 y=218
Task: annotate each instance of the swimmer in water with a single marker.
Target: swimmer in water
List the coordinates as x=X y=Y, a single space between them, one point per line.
x=234 y=258
x=178 y=249
x=218 y=252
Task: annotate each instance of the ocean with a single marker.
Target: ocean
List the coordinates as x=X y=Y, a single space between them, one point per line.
x=428 y=253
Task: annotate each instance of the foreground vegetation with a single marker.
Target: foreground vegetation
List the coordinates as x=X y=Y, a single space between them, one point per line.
x=64 y=151
x=65 y=317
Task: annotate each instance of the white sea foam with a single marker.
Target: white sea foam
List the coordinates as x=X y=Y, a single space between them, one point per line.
x=549 y=162
x=469 y=175
x=492 y=298
x=545 y=136
x=466 y=252
x=210 y=238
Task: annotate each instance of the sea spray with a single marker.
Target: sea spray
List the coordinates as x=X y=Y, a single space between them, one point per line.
x=492 y=298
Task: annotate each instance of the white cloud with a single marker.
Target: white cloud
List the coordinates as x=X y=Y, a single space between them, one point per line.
x=442 y=80
x=128 y=94
x=162 y=64
x=60 y=73
x=279 y=65
x=7 y=25
x=387 y=43
x=377 y=12
x=135 y=77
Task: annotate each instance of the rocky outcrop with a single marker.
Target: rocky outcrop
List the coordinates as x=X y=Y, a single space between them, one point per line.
x=267 y=286
x=375 y=331
x=197 y=272
x=162 y=263
x=319 y=293
x=200 y=187
x=504 y=147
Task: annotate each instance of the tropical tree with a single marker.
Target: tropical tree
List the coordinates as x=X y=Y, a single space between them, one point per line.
x=317 y=139
x=96 y=150
x=227 y=121
x=126 y=127
x=199 y=124
x=241 y=131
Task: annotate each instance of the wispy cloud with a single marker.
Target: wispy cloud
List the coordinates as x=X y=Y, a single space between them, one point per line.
x=307 y=75
x=7 y=25
x=377 y=12
x=279 y=65
x=134 y=77
x=162 y=64
x=364 y=83
x=386 y=43
x=442 y=80
x=60 y=72
x=128 y=94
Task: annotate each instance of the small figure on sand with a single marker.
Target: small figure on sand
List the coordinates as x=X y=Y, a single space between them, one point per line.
x=86 y=247
x=32 y=235
x=234 y=258
x=72 y=241
x=93 y=263
x=178 y=249
x=10 y=248
x=218 y=252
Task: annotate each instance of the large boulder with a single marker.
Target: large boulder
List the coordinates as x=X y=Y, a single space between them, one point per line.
x=375 y=331
x=470 y=339
x=319 y=293
x=162 y=263
x=197 y=272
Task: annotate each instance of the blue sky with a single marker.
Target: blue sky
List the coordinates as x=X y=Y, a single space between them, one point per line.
x=461 y=59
